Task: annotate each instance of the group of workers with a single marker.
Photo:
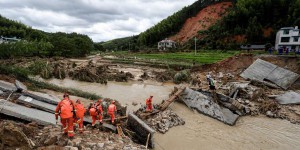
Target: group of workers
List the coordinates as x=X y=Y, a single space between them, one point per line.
x=73 y=113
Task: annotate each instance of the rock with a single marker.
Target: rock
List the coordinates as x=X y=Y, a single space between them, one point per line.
x=69 y=143
x=134 y=103
x=109 y=147
x=270 y=114
x=51 y=140
x=90 y=144
x=100 y=145
x=13 y=138
x=70 y=148
x=247 y=102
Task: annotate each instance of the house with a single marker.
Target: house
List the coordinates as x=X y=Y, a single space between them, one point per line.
x=166 y=44
x=6 y=39
x=253 y=47
x=288 y=37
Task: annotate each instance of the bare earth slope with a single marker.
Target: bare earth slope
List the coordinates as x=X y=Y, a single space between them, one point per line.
x=204 y=19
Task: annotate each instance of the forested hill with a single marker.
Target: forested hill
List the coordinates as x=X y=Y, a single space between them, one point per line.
x=36 y=42
x=251 y=22
x=173 y=24
x=247 y=22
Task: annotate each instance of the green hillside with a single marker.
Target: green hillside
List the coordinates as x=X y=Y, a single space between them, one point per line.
x=39 y=43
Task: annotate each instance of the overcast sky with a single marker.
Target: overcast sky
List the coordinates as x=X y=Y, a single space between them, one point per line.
x=102 y=20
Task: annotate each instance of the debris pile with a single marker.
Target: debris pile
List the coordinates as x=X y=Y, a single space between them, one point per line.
x=30 y=136
x=164 y=120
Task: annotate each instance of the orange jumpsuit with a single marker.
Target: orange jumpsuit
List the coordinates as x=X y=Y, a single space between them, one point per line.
x=65 y=109
x=80 y=110
x=111 y=111
x=93 y=114
x=100 y=112
x=149 y=104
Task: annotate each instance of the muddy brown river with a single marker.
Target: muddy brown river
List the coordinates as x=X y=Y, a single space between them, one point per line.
x=200 y=131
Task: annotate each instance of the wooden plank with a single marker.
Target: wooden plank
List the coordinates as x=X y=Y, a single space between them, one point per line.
x=171 y=99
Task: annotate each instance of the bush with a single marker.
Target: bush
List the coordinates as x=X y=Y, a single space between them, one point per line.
x=41 y=68
x=182 y=76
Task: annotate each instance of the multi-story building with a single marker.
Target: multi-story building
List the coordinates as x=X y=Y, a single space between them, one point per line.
x=166 y=44
x=288 y=38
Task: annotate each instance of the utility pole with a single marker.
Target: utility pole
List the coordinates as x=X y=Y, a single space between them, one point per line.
x=195 y=45
x=129 y=46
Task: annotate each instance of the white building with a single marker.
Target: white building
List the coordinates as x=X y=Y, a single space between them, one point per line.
x=6 y=39
x=166 y=44
x=288 y=37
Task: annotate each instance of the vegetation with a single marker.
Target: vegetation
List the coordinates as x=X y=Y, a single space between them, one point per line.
x=38 y=43
x=23 y=75
x=250 y=19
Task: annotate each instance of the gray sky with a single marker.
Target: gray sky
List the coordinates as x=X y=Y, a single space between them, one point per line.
x=102 y=20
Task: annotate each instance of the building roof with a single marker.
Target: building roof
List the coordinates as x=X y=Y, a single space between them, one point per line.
x=167 y=41
x=252 y=46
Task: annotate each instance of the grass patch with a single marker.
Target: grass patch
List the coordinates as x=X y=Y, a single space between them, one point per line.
x=179 y=58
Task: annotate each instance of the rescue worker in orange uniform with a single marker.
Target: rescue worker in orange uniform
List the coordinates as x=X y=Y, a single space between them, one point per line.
x=96 y=112
x=99 y=109
x=80 y=110
x=65 y=109
x=112 y=109
x=93 y=114
x=149 y=104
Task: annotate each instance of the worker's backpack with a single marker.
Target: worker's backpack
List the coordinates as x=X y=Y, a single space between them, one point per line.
x=93 y=111
x=80 y=110
x=66 y=109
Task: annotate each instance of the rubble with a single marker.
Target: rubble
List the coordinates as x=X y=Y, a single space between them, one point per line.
x=164 y=120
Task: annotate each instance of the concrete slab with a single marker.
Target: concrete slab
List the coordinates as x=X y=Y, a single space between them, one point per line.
x=262 y=70
x=205 y=104
x=259 y=70
x=1 y=92
x=289 y=97
x=37 y=104
x=42 y=97
x=20 y=86
x=282 y=77
x=141 y=129
x=7 y=87
x=25 y=113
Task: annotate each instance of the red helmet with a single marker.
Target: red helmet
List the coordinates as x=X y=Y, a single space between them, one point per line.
x=99 y=100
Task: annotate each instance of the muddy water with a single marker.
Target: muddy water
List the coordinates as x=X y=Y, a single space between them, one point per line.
x=125 y=93
x=202 y=132
x=199 y=132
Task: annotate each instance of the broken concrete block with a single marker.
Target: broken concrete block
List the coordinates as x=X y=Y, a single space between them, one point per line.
x=289 y=97
x=37 y=104
x=7 y=87
x=206 y=105
x=42 y=97
x=25 y=113
x=20 y=86
x=141 y=129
